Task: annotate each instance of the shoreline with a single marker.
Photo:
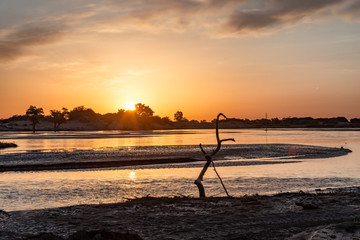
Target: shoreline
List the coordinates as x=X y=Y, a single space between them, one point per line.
x=329 y=213
x=337 y=128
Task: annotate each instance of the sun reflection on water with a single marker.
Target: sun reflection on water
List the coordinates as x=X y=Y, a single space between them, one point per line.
x=132 y=175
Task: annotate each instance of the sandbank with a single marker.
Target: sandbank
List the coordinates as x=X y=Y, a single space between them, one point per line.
x=150 y=155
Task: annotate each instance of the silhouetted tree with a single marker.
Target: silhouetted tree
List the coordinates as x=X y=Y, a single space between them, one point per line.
x=58 y=117
x=143 y=111
x=166 y=121
x=178 y=116
x=128 y=119
x=121 y=111
x=83 y=114
x=275 y=122
x=34 y=114
x=355 y=120
x=15 y=118
x=194 y=122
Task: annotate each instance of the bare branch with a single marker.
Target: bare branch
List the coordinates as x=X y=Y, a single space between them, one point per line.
x=199 y=180
x=202 y=150
x=220 y=179
x=227 y=139
x=217 y=126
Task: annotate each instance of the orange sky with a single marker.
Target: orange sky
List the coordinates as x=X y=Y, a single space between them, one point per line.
x=243 y=58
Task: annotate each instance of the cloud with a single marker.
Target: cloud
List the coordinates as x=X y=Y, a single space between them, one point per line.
x=229 y=17
x=277 y=13
x=351 y=10
x=18 y=43
x=183 y=6
x=155 y=15
x=234 y=17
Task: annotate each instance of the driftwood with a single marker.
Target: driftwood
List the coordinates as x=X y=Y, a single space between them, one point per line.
x=209 y=160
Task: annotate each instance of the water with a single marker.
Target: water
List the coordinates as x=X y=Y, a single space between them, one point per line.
x=35 y=190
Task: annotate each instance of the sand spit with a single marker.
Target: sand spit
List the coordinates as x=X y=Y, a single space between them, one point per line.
x=147 y=155
x=7 y=145
x=328 y=214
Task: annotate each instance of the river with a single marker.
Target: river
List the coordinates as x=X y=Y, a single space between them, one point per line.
x=45 y=189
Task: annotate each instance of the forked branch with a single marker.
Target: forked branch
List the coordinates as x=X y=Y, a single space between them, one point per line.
x=209 y=160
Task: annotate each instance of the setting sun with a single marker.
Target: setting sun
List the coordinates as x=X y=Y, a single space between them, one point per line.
x=130 y=106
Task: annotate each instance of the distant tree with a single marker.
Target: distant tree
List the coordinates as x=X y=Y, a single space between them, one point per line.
x=121 y=111
x=15 y=118
x=166 y=120
x=194 y=121
x=185 y=120
x=143 y=111
x=342 y=119
x=275 y=122
x=34 y=114
x=58 y=117
x=355 y=120
x=83 y=114
x=178 y=116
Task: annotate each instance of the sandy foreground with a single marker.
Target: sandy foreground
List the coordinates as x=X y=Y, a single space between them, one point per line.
x=324 y=214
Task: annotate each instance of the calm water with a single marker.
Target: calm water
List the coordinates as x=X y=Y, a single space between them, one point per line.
x=34 y=190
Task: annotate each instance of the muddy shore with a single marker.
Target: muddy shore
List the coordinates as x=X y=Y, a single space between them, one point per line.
x=324 y=214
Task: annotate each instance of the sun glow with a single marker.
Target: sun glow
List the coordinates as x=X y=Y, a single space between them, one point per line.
x=130 y=106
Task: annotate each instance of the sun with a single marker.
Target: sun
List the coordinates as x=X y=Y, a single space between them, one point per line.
x=130 y=106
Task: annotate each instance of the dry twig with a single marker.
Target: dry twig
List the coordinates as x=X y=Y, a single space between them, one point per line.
x=209 y=160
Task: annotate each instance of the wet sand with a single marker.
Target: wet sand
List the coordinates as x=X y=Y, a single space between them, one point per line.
x=136 y=156
x=324 y=214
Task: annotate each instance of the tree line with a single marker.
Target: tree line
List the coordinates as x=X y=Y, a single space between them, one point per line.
x=143 y=118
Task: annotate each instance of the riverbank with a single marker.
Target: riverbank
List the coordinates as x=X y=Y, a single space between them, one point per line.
x=328 y=214
x=156 y=123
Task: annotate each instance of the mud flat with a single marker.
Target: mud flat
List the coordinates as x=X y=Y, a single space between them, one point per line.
x=148 y=155
x=324 y=214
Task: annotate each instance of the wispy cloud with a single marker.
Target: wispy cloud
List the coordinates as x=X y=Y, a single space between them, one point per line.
x=239 y=17
x=224 y=17
x=19 y=42
x=350 y=10
x=277 y=14
x=157 y=15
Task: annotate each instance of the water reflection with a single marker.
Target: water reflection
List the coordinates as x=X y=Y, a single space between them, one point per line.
x=48 y=141
x=132 y=175
x=32 y=190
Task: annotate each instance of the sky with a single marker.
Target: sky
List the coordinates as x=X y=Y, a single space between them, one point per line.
x=244 y=58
